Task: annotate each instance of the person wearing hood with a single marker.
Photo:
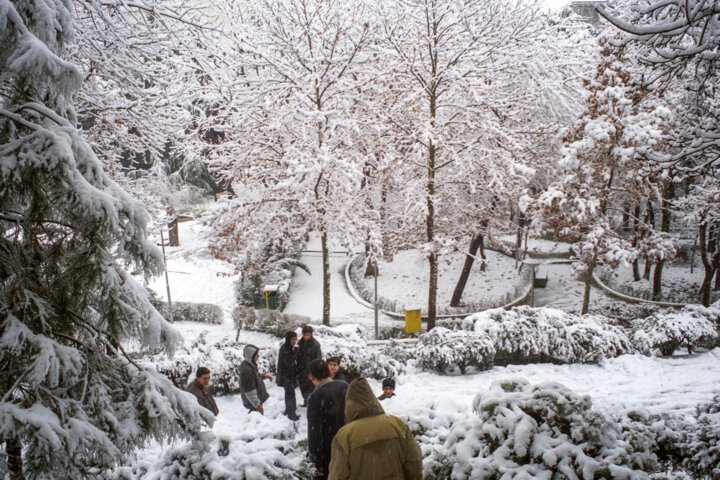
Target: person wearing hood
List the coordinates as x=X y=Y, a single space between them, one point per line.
x=373 y=444
x=287 y=373
x=252 y=388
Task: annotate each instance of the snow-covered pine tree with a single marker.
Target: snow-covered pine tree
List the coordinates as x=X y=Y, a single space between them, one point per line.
x=73 y=402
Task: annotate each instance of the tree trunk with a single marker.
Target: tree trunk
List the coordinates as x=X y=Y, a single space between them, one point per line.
x=13 y=450
x=668 y=194
x=475 y=243
x=636 y=239
x=326 y=279
x=648 y=269
x=432 y=258
x=710 y=262
x=588 y=286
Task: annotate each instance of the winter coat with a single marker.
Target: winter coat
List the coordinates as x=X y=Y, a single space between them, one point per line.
x=340 y=377
x=287 y=366
x=252 y=387
x=307 y=352
x=373 y=444
x=203 y=396
x=326 y=415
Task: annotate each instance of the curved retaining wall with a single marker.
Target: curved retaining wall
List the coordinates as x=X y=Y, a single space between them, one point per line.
x=401 y=316
x=628 y=298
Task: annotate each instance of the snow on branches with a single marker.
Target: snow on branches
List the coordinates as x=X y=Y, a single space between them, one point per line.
x=523 y=430
x=73 y=402
x=690 y=327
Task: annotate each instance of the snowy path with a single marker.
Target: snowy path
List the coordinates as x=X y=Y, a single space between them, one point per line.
x=306 y=291
x=565 y=292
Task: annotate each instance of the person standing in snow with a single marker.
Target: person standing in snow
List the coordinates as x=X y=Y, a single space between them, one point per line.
x=373 y=444
x=334 y=366
x=326 y=415
x=252 y=388
x=198 y=387
x=287 y=373
x=309 y=350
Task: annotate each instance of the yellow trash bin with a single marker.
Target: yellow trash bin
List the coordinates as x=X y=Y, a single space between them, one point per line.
x=413 y=321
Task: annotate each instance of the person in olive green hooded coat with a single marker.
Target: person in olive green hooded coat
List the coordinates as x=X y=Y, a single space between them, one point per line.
x=373 y=444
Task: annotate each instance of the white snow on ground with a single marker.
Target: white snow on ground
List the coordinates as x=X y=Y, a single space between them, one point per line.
x=675 y=384
x=538 y=245
x=405 y=279
x=564 y=291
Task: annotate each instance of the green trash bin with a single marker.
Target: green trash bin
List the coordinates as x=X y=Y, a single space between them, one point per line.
x=271 y=299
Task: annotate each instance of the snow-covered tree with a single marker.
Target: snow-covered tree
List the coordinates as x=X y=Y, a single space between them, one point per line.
x=73 y=401
x=288 y=121
x=470 y=78
x=603 y=170
x=144 y=64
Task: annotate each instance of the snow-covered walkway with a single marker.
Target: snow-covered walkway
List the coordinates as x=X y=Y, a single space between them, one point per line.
x=306 y=291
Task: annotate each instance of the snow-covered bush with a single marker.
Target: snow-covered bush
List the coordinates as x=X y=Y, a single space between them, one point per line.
x=263 y=448
x=441 y=349
x=273 y=264
x=702 y=445
x=268 y=321
x=690 y=327
x=357 y=358
x=192 y=312
x=222 y=358
x=542 y=431
x=529 y=335
x=662 y=435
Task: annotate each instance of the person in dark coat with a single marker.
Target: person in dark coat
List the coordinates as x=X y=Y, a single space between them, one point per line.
x=335 y=371
x=326 y=415
x=252 y=388
x=198 y=387
x=309 y=350
x=287 y=373
x=388 y=386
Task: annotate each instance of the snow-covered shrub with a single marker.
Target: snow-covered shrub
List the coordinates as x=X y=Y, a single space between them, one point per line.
x=273 y=264
x=263 y=448
x=268 y=321
x=441 y=349
x=357 y=358
x=690 y=327
x=702 y=446
x=662 y=435
x=529 y=335
x=542 y=431
x=192 y=312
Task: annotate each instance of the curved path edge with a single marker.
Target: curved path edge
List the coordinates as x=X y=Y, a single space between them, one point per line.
x=401 y=316
x=628 y=298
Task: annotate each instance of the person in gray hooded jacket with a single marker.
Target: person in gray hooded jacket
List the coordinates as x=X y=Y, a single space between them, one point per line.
x=252 y=388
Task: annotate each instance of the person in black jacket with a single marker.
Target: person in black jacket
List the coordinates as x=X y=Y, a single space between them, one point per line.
x=309 y=350
x=335 y=371
x=326 y=415
x=252 y=388
x=287 y=373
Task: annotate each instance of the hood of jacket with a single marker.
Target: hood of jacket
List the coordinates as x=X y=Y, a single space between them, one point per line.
x=289 y=336
x=249 y=353
x=360 y=401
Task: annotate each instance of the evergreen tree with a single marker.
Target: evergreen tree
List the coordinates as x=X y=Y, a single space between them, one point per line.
x=73 y=402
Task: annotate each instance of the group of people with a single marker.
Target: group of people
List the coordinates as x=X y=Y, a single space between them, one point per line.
x=349 y=434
